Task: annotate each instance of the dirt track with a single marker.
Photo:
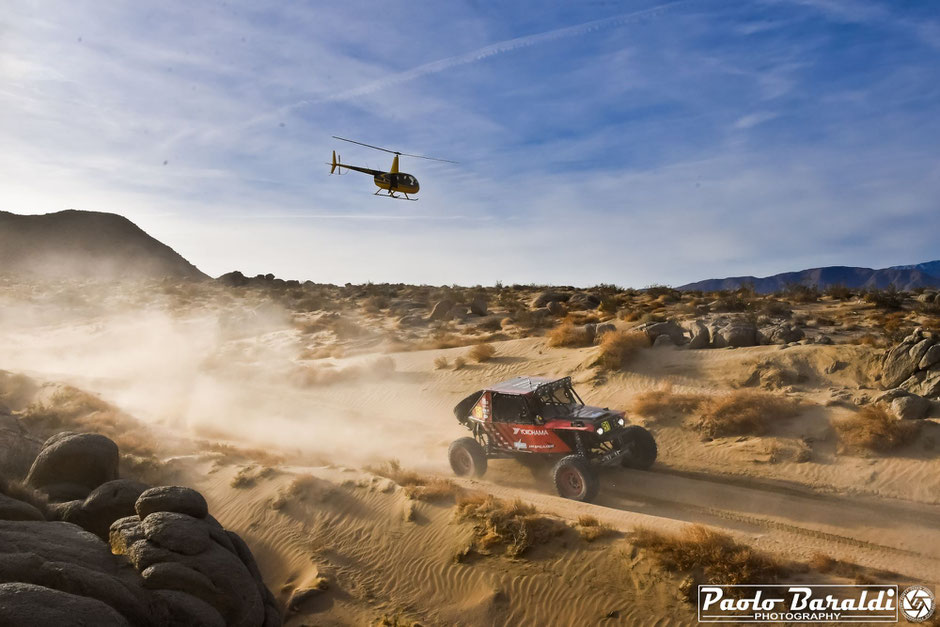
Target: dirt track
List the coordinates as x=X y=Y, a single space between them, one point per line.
x=893 y=536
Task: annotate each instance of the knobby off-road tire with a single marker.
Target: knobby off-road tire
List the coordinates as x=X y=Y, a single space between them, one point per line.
x=642 y=448
x=575 y=479
x=467 y=458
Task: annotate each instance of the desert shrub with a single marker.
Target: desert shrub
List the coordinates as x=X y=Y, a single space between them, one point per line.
x=248 y=476
x=459 y=363
x=482 y=352
x=591 y=529
x=711 y=556
x=567 y=334
x=513 y=525
x=441 y=362
x=889 y=298
x=416 y=486
x=870 y=339
x=617 y=348
x=490 y=324
x=743 y=413
x=728 y=302
x=655 y=291
x=874 y=429
x=665 y=400
x=839 y=292
x=799 y=293
x=774 y=308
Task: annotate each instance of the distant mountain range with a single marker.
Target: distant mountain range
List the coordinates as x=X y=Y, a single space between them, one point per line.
x=86 y=244
x=902 y=277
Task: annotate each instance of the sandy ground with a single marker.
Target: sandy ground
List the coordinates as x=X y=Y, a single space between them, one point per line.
x=192 y=378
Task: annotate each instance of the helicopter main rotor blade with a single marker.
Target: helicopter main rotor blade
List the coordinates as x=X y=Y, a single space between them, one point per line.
x=405 y=154
x=351 y=141
x=394 y=152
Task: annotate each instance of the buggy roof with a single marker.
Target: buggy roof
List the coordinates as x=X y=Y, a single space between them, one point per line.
x=525 y=385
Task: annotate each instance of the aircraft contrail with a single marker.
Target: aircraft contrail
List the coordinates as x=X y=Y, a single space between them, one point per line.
x=491 y=50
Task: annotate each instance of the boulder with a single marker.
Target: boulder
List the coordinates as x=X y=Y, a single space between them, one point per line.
x=654 y=329
x=738 y=334
x=591 y=330
x=442 y=310
x=30 y=604
x=583 y=300
x=77 y=459
x=601 y=329
x=663 y=340
x=177 y=552
x=555 y=308
x=910 y=407
x=545 y=298
x=784 y=334
x=176 y=532
x=701 y=338
x=12 y=509
x=931 y=357
x=177 y=499
x=478 y=306
x=106 y=503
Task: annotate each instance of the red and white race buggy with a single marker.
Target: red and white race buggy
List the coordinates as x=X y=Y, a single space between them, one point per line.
x=527 y=416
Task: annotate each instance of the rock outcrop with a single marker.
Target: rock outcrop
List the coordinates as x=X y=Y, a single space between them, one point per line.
x=914 y=364
x=121 y=553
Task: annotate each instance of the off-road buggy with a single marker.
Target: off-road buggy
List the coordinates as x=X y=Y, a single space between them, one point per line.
x=529 y=416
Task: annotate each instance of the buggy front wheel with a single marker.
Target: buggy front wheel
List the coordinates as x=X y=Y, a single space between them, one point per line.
x=575 y=479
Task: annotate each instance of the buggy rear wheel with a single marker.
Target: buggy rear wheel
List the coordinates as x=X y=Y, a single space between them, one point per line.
x=575 y=479
x=467 y=458
x=642 y=448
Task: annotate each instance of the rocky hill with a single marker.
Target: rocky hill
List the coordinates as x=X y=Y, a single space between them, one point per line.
x=901 y=277
x=85 y=244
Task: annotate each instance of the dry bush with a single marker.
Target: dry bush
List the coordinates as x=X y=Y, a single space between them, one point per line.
x=665 y=401
x=297 y=490
x=415 y=485
x=743 y=413
x=515 y=526
x=839 y=292
x=591 y=529
x=569 y=335
x=435 y=489
x=712 y=556
x=459 y=363
x=874 y=429
x=441 y=362
x=889 y=299
x=870 y=339
x=482 y=352
x=248 y=476
x=617 y=348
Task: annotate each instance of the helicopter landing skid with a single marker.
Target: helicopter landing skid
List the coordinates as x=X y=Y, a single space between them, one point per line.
x=389 y=194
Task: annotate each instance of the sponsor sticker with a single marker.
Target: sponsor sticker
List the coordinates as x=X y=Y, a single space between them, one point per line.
x=808 y=603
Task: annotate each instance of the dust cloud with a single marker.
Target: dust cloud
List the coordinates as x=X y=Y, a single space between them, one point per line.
x=195 y=360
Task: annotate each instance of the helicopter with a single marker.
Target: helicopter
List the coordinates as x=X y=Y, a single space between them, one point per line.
x=393 y=181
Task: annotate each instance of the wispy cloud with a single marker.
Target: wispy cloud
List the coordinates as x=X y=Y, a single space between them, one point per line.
x=674 y=141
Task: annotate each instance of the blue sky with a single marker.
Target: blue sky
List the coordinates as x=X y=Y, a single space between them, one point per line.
x=600 y=141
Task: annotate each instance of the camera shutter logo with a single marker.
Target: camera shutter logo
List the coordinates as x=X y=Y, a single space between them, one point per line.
x=917 y=604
